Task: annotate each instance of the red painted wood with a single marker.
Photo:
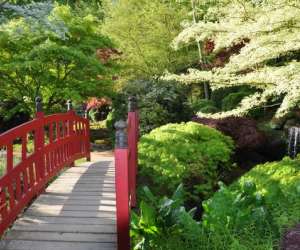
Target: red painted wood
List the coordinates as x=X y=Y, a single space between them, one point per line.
x=122 y=198
x=9 y=159
x=132 y=145
x=23 y=181
x=126 y=171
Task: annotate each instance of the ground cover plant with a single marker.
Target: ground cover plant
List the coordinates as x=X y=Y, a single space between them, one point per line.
x=252 y=213
x=259 y=207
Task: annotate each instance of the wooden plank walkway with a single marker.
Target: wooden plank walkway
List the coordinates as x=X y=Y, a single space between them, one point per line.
x=77 y=212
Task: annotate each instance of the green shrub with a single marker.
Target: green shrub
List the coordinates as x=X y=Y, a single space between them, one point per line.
x=232 y=100
x=204 y=106
x=257 y=208
x=164 y=223
x=159 y=102
x=219 y=95
x=187 y=153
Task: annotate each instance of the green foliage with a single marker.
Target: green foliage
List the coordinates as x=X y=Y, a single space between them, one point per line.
x=259 y=207
x=144 y=30
x=159 y=103
x=161 y=219
x=204 y=105
x=41 y=63
x=232 y=100
x=187 y=153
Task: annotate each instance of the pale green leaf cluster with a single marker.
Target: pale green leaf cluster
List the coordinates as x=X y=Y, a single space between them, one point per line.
x=143 y=31
x=273 y=30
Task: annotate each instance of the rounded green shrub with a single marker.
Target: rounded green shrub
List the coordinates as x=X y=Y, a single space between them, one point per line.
x=232 y=100
x=187 y=153
x=259 y=207
x=204 y=106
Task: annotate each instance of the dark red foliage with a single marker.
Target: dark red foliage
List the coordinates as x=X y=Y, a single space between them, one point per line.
x=242 y=130
x=291 y=239
x=208 y=46
x=223 y=56
x=95 y=103
x=107 y=54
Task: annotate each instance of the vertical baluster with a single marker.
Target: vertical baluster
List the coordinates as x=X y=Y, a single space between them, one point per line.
x=3 y=203
x=87 y=140
x=11 y=194
x=51 y=133
x=9 y=157
x=70 y=131
x=25 y=181
x=39 y=145
x=18 y=187
x=57 y=131
x=31 y=176
x=24 y=147
x=24 y=156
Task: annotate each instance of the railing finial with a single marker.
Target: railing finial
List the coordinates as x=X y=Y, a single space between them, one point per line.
x=69 y=105
x=38 y=104
x=132 y=103
x=121 y=134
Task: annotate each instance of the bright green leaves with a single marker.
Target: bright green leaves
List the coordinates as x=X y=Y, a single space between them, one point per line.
x=159 y=219
x=261 y=204
x=41 y=63
x=187 y=153
x=144 y=30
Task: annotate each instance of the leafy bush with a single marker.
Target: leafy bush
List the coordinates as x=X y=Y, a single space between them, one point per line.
x=187 y=153
x=232 y=100
x=204 y=106
x=164 y=223
x=219 y=95
x=257 y=208
x=159 y=102
x=243 y=131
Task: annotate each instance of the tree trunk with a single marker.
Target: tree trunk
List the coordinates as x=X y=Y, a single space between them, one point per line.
x=206 y=85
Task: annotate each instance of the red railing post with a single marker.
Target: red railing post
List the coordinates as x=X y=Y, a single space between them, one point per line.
x=133 y=147
x=71 y=129
x=39 y=141
x=122 y=186
x=87 y=137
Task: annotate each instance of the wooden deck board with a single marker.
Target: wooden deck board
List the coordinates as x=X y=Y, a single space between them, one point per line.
x=77 y=211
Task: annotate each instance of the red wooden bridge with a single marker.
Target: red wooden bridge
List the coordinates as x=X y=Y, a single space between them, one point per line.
x=47 y=201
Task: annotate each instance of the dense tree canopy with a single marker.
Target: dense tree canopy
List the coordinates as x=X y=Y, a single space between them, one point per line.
x=42 y=62
x=254 y=43
x=144 y=30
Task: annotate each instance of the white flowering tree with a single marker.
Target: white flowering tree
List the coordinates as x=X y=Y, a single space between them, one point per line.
x=267 y=35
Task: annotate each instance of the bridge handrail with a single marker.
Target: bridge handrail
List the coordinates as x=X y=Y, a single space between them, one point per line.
x=58 y=140
x=126 y=158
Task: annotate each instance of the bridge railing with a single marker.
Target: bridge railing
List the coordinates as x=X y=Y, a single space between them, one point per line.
x=58 y=140
x=126 y=152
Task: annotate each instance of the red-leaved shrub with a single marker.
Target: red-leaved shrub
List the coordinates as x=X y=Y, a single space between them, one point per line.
x=291 y=239
x=242 y=130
